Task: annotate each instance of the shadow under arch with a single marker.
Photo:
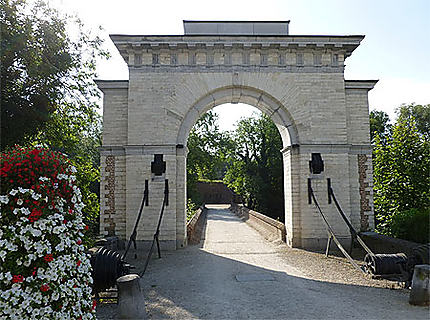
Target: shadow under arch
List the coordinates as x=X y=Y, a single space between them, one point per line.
x=247 y=95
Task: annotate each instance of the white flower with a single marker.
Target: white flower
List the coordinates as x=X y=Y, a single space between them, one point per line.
x=13 y=192
x=36 y=196
x=34 y=239
x=73 y=169
x=4 y=199
x=22 y=190
x=19 y=202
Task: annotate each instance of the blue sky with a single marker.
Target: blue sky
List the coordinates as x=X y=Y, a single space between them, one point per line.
x=396 y=49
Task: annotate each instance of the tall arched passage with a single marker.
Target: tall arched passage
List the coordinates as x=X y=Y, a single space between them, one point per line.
x=281 y=118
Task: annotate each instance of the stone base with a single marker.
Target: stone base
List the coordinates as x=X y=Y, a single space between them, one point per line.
x=320 y=244
x=420 y=293
x=165 y=245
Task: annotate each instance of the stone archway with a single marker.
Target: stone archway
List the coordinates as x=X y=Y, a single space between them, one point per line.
x=247 y=95
x=297 y=80
x=278 y=114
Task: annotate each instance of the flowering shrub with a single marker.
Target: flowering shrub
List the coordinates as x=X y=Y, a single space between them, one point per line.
x=44 y=270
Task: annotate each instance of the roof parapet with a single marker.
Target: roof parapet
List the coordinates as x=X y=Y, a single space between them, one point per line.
x=245 y=28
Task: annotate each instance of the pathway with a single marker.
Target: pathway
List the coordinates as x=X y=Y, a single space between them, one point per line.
x=236 y=274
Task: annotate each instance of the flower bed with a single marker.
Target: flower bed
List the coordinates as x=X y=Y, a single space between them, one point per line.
x=44 y=270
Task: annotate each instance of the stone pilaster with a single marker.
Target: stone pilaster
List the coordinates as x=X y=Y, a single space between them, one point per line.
x=364 y=178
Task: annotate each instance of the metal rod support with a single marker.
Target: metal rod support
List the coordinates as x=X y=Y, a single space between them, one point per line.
x=145 y=201
x=157 y=232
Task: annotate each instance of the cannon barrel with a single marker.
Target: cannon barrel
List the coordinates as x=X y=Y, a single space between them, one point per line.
x=107 y=266
x=385 y=264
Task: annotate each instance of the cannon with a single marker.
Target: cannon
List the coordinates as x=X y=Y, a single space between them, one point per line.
x=107 y=265
x=397 y=265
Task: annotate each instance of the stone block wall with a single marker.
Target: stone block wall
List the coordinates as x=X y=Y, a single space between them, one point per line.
x=298 y=82
x=112 y=196
x=214 y=192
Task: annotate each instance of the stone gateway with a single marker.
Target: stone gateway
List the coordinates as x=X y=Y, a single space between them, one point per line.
x=296 y=80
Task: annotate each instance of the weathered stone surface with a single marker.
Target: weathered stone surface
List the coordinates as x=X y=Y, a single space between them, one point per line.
x=420 y=293
x=297 y=80
x=131 y=303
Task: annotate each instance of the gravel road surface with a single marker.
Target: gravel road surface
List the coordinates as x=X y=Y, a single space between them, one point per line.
x=235 y=274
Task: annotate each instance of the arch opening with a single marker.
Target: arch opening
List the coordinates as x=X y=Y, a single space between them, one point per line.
x=278 y=115
x=250 y=96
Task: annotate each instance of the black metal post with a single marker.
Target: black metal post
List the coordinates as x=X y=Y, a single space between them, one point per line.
x=145 y=201
x=157 y=232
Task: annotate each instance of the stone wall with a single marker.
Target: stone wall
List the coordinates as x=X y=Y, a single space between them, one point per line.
x=214 y=192
x=269 y=228
x=196 y=225
x=112 y=196
x=298 y=81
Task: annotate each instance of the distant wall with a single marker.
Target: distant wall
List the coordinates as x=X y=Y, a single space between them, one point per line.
x=215 y=192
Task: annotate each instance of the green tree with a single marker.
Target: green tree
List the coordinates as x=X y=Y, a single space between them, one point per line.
x=48 y=95
x=208 y=149
x=401 y=173
x=79 y=138
x=43 y=67
x=379 y=124
x=421 y=114
x=255 y=167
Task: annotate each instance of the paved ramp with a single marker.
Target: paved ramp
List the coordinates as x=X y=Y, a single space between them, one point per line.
x=236 y=274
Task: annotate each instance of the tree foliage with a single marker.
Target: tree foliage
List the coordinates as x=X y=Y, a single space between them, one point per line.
x=401 y=172
x=208 y=148
x=255 y=166
x=42 y=68
x=421 y=115
x=78 y=139
x=379 y=124
x=248 y=160
x=48 y=96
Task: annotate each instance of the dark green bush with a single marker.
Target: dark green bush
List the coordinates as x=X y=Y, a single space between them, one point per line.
x=412 y=225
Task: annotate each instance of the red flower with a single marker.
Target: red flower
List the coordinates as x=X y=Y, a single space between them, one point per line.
x=78 y=263
x=94 y=304
x=79 y=242
x=86 y=228
x=44 y=288
x=48 y=258
x=64 y=221
x=34 y=215
x=34 y=271
x=17 y=278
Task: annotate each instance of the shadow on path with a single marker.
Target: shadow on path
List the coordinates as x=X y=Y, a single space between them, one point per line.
x=202 y=281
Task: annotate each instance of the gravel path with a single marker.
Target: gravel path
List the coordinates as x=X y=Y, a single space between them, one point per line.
x=234 y=273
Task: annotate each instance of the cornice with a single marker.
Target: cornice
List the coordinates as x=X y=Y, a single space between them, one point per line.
x=347 y=43
x=111 y=84
x=360 y=84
